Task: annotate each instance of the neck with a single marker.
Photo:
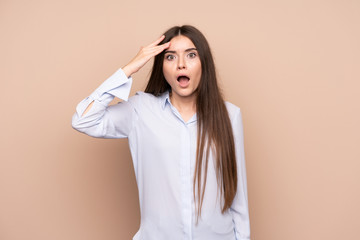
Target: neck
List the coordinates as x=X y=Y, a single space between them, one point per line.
x=185 y=105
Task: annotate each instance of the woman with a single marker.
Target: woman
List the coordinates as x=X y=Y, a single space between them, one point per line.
x=186 y=142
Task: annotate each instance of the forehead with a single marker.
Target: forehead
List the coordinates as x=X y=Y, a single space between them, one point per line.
x=180 y=43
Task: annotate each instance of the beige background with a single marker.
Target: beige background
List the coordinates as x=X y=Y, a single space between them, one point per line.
x=292 y=67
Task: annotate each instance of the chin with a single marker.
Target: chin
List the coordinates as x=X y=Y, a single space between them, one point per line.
x=187 y=94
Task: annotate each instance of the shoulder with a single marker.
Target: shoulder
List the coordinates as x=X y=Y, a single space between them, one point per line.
x=233 y=110
x=142 y=99
x=145 y=96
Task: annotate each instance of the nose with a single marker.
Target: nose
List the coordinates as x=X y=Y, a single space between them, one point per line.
x=181 y=63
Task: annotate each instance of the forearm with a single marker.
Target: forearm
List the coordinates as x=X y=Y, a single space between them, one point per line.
x=93 y=114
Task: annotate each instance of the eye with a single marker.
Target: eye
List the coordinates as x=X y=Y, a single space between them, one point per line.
x=170 y=57
x=192 y=55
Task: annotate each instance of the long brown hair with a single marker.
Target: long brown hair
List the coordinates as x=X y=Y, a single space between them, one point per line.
x=214 y=126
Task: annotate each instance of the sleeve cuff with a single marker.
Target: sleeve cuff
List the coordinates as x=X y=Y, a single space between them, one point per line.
x=118 y=85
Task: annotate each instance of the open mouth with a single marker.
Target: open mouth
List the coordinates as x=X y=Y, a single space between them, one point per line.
x=183 y=81
x=183 y=78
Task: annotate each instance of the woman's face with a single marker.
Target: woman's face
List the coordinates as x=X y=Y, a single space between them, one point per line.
x=182 y=67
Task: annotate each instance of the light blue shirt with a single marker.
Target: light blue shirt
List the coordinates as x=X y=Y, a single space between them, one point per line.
x=163 y=149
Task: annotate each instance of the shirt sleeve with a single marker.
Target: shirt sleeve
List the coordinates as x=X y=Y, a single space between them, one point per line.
x=105 y=121
x=239 y=208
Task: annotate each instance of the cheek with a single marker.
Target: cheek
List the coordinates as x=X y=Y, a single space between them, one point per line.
x=197 y=69
x=199 y=73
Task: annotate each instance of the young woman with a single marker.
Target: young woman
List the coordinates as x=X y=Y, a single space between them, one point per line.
x=186 y=142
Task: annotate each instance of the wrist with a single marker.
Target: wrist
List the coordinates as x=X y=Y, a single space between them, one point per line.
x=127 y=70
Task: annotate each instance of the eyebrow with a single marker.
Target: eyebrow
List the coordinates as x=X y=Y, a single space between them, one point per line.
x=187 y=50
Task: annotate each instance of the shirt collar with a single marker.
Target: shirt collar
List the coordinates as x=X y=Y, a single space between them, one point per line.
x=164 y=99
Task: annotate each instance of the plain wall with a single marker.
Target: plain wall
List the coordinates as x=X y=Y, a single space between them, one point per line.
x=293 y=67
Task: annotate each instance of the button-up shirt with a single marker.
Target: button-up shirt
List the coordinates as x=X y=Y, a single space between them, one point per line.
x=163 y=149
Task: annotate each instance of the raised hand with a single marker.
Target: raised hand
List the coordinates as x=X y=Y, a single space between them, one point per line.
x=144 y=55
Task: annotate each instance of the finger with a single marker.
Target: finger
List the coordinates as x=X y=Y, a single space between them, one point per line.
x=161 y=48
x=157 y=41
x=165 y=45
x=156 y=48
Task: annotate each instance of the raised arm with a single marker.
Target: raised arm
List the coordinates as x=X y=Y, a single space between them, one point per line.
x=94 y=117
x=141 y=58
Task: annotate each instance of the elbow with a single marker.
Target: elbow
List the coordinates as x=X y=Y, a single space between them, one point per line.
x=75 y=123
x=84 y=126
